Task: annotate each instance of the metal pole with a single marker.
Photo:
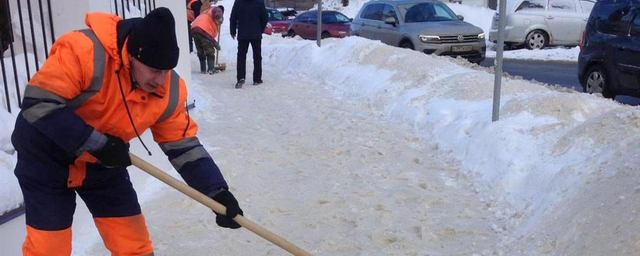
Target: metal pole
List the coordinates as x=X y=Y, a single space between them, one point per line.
x=44 y=33
x=115 y=2
x=124 y=16
x=53 y=36
x=4 y=77
x=319 y=25
x=24 y=41
x=13 y=59
x=33 y=36
x=497 y=83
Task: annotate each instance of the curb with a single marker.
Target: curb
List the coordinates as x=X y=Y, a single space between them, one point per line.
x=562 y=62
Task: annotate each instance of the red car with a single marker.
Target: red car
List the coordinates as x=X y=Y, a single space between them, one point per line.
x=334 y=24
x=277 y=23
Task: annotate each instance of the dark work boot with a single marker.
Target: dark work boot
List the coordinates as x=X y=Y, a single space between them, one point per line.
x=203 y=64
x=240 y=83
x=211 y=62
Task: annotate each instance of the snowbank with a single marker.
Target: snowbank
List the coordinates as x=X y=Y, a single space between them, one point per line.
x=10 y=195
x=548 y=149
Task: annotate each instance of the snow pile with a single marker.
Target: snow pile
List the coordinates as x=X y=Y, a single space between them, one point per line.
x=546 y=159
x=546 y=54
x=10 y=195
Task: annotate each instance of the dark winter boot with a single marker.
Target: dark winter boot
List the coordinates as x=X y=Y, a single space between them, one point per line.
x=203 y=64
x=240 y=83
x=211 y=62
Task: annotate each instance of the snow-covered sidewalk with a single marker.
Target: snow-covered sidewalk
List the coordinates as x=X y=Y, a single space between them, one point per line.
x=326 y=174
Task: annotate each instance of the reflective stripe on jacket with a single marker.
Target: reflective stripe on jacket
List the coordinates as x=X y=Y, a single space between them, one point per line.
x=79 y=88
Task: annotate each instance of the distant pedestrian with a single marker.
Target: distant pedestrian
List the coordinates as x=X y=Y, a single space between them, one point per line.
x=205 y=29
x=249 y=19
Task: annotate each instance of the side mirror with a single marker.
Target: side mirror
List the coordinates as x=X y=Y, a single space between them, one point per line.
x=460 y=17
x=351 y=19
x=391 y=21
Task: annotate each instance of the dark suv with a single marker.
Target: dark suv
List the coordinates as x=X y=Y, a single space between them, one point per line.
x=609 y=61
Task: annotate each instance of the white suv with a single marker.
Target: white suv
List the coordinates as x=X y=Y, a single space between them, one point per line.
x=540 y=23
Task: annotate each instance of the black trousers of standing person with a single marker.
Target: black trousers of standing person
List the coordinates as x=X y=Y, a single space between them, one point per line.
x=243 y=48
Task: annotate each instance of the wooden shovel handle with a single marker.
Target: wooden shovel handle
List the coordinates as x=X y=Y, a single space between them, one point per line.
x=215 y=206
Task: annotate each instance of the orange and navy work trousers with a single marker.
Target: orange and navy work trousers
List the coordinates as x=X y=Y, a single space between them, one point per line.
x=50 y=205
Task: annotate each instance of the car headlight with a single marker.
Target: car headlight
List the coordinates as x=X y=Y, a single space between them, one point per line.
x=481 y=36
x=269 y=25
x=429 y=39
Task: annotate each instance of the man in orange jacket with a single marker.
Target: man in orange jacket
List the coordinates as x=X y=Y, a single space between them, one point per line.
x=97 y=89
x=204 y=30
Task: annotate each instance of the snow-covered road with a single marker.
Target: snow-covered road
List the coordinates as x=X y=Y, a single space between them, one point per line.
x=326 y=174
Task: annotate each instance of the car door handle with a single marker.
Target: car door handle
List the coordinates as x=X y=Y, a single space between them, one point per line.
x=550 y=17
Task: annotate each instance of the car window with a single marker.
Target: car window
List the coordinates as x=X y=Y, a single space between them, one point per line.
x=334 y=17
x=389 y=12
x=532 y=5
x=313 y=18
x=274 y=15
x=614 y=19
x=635 y=27
x=562 y=6
x=587 y=6
x=373 y=12
x=302 y=18
x=426 y=12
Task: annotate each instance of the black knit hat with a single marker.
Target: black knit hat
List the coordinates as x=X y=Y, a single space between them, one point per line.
x=153 y=40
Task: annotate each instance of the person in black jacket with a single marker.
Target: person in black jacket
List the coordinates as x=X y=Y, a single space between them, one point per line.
x=249 y=18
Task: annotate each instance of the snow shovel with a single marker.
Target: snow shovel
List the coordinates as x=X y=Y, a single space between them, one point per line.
x=215 y=206
x=220 y=66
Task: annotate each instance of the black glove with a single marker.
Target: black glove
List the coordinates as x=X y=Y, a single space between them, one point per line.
x=225 y=198
x=114 y=153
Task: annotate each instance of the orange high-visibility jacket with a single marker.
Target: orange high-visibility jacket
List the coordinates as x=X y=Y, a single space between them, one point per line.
x=208 y=23
x=84 y=73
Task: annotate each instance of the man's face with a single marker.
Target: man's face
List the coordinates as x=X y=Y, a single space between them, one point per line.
x=148 y=78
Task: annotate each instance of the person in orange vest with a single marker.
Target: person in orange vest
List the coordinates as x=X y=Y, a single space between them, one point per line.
x=205 y=29
x=98 y=89
x=194 y=9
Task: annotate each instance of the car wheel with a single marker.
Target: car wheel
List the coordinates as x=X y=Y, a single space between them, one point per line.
x=325 y=35
x=406 y=44
x=291 y=33
x=536 y=39
x=596 y=82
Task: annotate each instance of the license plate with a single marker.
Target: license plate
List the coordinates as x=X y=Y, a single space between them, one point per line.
x=462 y=48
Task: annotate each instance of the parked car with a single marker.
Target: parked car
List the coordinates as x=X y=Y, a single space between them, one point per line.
x=277 y=22
x=334 y=24
x=288 y=13
x=428 y=26
x=609 y=60
x=536 y=24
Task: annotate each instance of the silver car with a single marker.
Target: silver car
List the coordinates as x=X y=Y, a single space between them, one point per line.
x=540 y=23
x=428 y=26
